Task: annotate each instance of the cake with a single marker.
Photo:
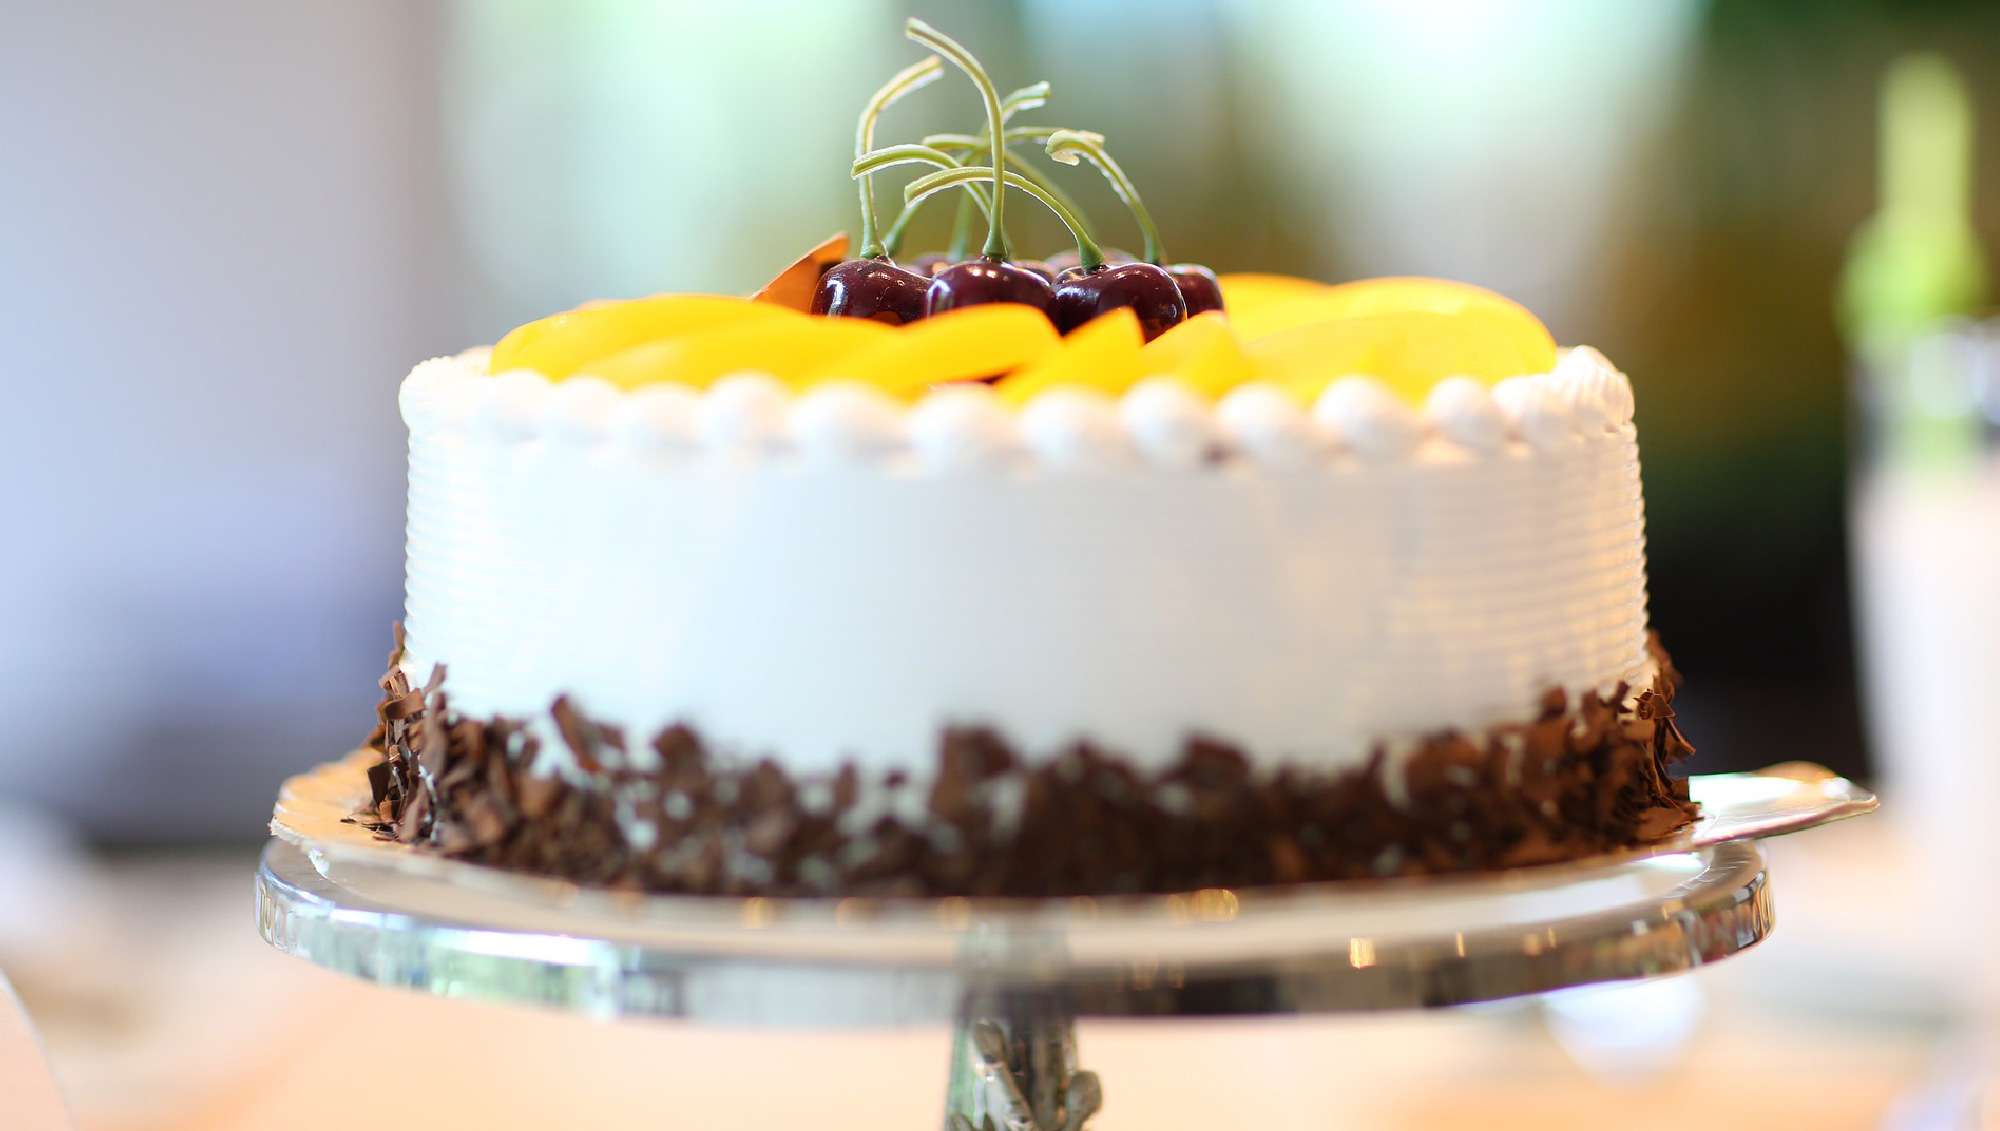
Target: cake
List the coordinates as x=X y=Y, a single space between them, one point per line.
x=894 y=581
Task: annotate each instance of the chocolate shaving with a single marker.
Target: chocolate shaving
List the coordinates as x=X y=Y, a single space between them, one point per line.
x=1583 y=778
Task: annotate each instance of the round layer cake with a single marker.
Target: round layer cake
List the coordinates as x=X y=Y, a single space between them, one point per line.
x=752 y=639
x=992 y=576
x=835 y=577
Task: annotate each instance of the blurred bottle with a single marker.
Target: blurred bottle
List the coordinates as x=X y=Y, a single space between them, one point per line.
x=1925 y=507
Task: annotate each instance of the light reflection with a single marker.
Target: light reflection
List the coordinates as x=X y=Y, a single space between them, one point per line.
x=1215 y=905
x=1361 y=953
x=954 y=912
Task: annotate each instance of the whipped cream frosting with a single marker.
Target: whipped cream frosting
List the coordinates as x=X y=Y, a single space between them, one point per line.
x=837 y=574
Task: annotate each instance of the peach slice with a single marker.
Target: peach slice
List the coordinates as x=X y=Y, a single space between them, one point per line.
x=787 y=349
x=1102 y=354
x=794 y=286
x=967 y=344
x=1203 y=351
x=561 y=344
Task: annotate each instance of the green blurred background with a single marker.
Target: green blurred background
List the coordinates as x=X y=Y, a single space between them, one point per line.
x=238 y=224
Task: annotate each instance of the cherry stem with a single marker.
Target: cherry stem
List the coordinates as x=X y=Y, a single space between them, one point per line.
x=1067 y=146
x=1019 y=163
x=1088 y=253
x=869 y=163
x=968 y=143
x=1034 y=96
x=978 y=142
x=892 y=155
x=1031 y=97
x=910 y=78
x=957 y=56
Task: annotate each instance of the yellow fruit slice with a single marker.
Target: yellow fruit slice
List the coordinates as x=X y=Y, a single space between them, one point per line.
x=959 y=345
x=1203 y=351
x=1408 y=350
x=1367 y=297
x=561 y=344
x=1412 y=292
x=1103 y=354
x=1257 y=289
x=1253 y=301
x=787 y=349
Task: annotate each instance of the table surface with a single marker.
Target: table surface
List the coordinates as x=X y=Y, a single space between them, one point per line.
x=164 y=1011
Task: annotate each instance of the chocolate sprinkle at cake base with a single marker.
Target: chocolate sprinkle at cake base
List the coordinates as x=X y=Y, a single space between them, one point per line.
x=1586 y=777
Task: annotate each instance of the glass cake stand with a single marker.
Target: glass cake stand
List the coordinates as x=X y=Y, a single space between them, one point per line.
x=1014 y=975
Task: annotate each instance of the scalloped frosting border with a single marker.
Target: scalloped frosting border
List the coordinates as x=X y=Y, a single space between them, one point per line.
x=1157 y=423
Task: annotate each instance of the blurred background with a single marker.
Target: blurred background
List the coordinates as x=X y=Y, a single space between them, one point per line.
x=227 y=230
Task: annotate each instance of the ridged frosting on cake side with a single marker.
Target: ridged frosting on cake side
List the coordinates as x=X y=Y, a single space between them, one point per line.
x=837 y=575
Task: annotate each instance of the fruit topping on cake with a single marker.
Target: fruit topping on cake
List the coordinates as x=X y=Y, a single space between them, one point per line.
x=1087 y=317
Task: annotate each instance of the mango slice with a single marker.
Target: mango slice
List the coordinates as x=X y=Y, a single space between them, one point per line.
x=561 y=344
x=959 y=345
x=1412 y=292
x=787 y=349
x=1253 y=301
x=1203 y=351
x=1408 y=350
x=1103 y=354
x=1393 y=295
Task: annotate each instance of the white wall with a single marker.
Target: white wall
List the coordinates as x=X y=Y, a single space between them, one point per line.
x=221 y=245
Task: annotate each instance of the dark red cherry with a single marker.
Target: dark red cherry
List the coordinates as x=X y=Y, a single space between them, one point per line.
x=1064 y=260
x=1083 y=295
x=979 y=281
x=930 y=263
x=870 y=288
x=1199 y=290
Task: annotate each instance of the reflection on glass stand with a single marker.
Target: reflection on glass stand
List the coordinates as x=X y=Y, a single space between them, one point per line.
x=1014 y=976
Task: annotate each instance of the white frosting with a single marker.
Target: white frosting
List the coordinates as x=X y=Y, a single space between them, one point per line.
x=1261 y=422
x=1076 y=430
x=513 y=406
x=843 y=421
x=1170 y=424
x=661 y=417
x=581 y=410
x=1367 y=419
x=1537 y=413
x=864 y=572
x=1597 y=394
x=742 y=413
x=965 y=428
x=1464 y=413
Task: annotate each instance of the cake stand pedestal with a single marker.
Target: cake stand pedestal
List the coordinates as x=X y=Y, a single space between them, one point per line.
x=1014 y=975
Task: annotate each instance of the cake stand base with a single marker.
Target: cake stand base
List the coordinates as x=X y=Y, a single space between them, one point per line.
x=1014 y=975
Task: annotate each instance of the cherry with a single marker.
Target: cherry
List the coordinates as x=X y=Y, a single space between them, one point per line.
x=1195 y=288
x=1083 y=294
x=1198 y=287
x=871 y=288
x=980 y=281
